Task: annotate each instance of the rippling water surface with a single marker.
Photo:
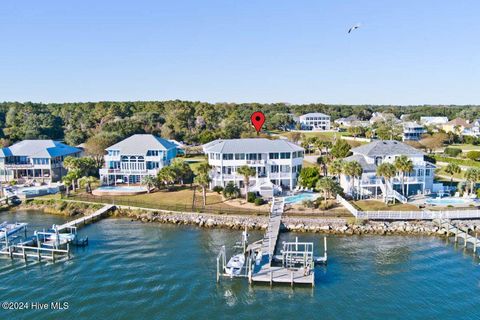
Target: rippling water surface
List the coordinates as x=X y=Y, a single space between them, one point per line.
x=148 y=271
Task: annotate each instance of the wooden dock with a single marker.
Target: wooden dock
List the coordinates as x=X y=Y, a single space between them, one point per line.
x=262 y=269
x=83 y=220
x=459 y=233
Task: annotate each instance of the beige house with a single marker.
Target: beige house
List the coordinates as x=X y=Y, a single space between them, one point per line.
x=457 y=125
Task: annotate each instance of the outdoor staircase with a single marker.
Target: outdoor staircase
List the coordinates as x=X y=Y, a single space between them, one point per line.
x=390 y=193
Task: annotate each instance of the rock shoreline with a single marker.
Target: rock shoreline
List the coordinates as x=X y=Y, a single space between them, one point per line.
x=321 y=225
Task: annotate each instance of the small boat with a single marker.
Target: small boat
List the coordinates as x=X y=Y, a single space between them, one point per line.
x=235 y=265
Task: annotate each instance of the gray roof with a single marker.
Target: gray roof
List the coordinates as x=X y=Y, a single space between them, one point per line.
x=315 y=114
x=367 y=167
x=387 y=148
x=251 y=145
x=139 y=144
x=349 y=118
x=39 y=149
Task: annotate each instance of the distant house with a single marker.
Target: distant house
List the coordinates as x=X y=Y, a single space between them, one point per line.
x=351 y=121
x=315 y=121
x=433 y=121
x=371 y=155
x=413 y=131
x=474 y=130
x=383 y=116
x=140 y=155
x=40 y=160
x=457 y=125
x=277 y=163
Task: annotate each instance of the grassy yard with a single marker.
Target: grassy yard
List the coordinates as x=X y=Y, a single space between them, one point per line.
x=195 y=161
x=441 y=171
x=376 y=205
x=460 y=162
x=465 y=147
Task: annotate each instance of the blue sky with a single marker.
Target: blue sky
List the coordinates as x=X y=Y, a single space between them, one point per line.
x=406 y=52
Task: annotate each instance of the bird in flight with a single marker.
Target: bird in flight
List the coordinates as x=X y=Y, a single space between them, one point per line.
x=354 y=27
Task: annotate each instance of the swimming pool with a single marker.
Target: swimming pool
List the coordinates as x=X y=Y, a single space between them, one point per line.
x=119 y=190
x=448 y=201
x=298 y=198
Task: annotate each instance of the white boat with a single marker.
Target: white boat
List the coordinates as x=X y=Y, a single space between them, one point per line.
x=10 y=229
x=235 y=265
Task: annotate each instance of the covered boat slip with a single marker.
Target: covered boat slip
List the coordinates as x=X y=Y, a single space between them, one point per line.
x=295 y=264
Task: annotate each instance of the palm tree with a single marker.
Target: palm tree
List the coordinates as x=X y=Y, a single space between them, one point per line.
x=67 y=181
x=149 y=182
x=183 y=170
x=352 y=169
x=336 y=168
x=387 y=171
x=246 y=172
x=203 y=179
x=472 y=175
x=88 y=181
x=452 y=169
x=328 y=186
x=322 y=161
x=167 y=175
x=404 y=165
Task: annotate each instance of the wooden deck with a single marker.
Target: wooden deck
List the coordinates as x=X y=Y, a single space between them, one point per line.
x=83 y=220
x=459 y=233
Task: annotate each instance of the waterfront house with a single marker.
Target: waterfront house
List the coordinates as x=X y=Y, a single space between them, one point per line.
x=277 y=163
x=371 y=155
x=351 y=121
x=474 y=130
x=140 y=155
x=315 y=121
x=457 y=126
x=39 y=160
x=382 y=117
x=413 y=131
x=433 y=121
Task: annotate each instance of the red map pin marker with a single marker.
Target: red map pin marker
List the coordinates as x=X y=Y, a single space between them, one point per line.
x=258 y=119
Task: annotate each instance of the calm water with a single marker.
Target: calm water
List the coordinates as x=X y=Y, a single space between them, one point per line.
x=148 y=271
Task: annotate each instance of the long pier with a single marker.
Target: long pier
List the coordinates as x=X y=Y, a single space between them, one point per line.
x=262 y=269
x=83 y=220
x=459 y=233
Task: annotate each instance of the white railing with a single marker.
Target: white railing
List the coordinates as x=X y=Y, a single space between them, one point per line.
x=347 y=205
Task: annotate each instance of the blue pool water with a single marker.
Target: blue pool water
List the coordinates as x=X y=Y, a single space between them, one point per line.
x=122 y=188
x=447 y=201
x=298 y=198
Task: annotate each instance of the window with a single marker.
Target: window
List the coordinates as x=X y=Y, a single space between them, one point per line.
x=420 y=172
x=285 y=155
x=427 y=172
x=228 y=156
x=152 y=153
x=273 y=155
x=274 y=168
x=251 y=156
x=217 y=156
x=239 y=156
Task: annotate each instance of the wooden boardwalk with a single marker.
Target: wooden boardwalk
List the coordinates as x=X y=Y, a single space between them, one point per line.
x=459 y=233
x=263 y=271
x=83 y=220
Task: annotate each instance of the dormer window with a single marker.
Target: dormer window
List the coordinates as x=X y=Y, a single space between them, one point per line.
x=378 y=161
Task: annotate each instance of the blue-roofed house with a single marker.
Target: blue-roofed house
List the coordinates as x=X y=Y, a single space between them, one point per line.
x=39 y=160
x=135 y=157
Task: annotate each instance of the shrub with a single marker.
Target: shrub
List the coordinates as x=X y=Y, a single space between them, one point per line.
x=473 y=155
x=217 y=189
x=308 y=204
x=231 y=191
x=259 y=201
x=452 y=152
x=251 y=197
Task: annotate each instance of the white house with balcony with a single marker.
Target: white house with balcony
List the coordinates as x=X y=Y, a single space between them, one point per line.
x=314 y=121
x=412 y=131
x=140 y=155
x=35 y=160
x=277 y=163
x=371 y=155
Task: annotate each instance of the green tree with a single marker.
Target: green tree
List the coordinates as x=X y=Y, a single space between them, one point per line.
x=149 y=182
x=202 y=178
x=452 y=169
x=329 y=187
x=183 y=170
x=95 y=146
x=352 y=169
x=167 y=175
x=404 y=165
x=473 y=155
x=246 y=172
x=87 y=183
x=387 y=171
x=231 y=191
x=340 y=149
x=308 y=177
x=472 y=177
x=336 y=167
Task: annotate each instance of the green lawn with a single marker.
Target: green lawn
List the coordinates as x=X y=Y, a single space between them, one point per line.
x=377 y=205
x=459 y=161
x=441 y=171
x=465 y=147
